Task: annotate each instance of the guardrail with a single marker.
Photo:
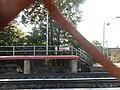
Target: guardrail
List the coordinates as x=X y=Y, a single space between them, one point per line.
x=41 y=50
x=36 y=50
x=84 y=56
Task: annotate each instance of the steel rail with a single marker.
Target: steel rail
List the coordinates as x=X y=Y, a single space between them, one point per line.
x=78 y=89
x=63 y=80
x=57 y=75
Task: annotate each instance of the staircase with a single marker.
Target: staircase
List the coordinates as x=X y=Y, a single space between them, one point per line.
x=98 y=68
x=84 y=56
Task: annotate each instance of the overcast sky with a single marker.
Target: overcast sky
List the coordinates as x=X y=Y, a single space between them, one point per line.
x=95 y=13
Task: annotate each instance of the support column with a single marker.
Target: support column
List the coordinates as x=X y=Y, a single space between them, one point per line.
x=74 y=66
x=26 y=66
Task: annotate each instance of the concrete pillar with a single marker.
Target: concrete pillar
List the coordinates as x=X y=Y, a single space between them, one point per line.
x=27 y=67
x=74 y=66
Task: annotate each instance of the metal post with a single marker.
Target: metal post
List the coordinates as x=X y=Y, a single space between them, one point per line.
x=107 y=50
x=34 y=51
x=104 y=38
x=104 y=28
x=72 y=50
x=13 y=50
x=56 y=50
x=47 y=36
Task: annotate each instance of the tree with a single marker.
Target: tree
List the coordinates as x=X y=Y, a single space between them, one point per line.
x=37 y=15
x=35 y=37
x=71 y=11
x=11 y=36
x=98 y=45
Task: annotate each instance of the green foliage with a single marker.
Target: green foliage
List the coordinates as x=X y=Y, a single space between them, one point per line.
x=97 y=44
x=70 y=10
x=36 y=15
x=35 y=37
x=11 y=35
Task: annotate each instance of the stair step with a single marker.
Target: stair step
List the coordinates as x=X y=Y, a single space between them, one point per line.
x=98 y=68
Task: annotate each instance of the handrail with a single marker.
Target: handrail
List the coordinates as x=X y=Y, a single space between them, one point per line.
x=85 y=57
x=35 y=50
x=41 y=50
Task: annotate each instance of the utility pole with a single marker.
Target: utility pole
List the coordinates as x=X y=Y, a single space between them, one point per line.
x=104 y=28
x=47 y=36
x=104 y=38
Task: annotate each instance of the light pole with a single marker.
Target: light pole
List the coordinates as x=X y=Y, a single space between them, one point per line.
x=47 y=36
x=103 y=38
x=104 y=27
x=107 y=49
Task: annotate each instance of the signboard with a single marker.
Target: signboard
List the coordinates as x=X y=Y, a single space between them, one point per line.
x=64 y=48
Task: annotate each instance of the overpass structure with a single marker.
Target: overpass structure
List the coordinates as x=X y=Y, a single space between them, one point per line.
x=28 y=53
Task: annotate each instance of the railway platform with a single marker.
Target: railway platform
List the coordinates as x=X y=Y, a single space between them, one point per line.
x=28 y=53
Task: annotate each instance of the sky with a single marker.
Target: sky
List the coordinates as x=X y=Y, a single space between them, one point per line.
x=95 y=13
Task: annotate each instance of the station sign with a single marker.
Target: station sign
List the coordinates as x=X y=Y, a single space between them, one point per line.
x=64 y=48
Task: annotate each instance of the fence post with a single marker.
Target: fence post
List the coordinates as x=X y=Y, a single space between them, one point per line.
x=72 y=50
x=56 y=50
x=34 y=51
x=13 y=50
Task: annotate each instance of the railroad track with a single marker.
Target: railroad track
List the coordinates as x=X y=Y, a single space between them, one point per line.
x=57 y=75
x=58 y=80
x=61 y=80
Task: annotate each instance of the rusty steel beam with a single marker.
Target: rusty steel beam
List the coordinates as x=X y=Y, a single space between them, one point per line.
x=96 y=54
